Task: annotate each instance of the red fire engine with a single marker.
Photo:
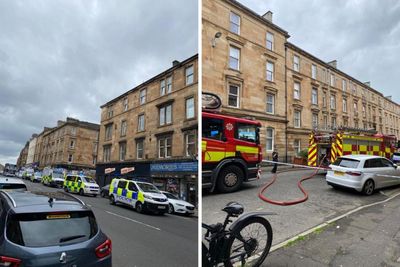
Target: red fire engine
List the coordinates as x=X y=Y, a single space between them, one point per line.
x=231 y=150
x=330 y=145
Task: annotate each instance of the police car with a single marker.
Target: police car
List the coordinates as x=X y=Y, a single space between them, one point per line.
x=81 y=184
x=139 y=195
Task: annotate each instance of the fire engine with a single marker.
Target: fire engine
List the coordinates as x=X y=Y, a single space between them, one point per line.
x=231 y=150
x=347 y=141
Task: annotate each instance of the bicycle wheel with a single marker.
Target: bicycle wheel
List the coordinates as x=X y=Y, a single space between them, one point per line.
x=249 y=243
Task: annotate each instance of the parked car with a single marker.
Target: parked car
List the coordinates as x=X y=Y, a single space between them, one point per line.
x=36 y=177
x=50 y=229
x=177 y=205
x=104 y=191
x=12 y=184
x=363 y=173
x=396 y=157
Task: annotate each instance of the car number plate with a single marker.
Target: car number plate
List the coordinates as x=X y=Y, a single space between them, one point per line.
x=338 y=173
x=161 y=207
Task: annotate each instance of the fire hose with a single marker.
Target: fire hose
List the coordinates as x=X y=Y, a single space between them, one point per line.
x=262 y=196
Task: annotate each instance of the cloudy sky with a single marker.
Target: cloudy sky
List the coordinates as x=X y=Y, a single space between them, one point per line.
x=363 y=36
x=66 y=58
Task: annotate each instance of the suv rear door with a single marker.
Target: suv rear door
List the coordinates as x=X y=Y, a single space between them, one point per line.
x=45 y=239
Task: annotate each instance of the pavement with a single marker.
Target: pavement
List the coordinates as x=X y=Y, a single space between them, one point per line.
x=369 y=237
x=142 y=239
x=323 y=207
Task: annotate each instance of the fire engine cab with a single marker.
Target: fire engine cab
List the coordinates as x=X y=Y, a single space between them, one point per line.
x=346 y=141
x=231 y=150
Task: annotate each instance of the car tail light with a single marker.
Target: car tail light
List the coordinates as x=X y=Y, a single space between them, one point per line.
x=354 y=173
x=104 y=249
x=9 y=262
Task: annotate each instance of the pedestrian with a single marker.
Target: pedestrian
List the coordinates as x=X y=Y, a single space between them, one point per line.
x=275 y=159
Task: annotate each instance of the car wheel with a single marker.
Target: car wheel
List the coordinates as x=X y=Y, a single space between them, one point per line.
x=230 y=179
x=139 y=207
x=66 y=189
x=112 y=200
x=369 y=187
x=170 y=209
x=81 y=192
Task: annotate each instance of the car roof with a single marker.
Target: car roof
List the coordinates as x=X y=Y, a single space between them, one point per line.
x=23 y=202
x=361 y=157
x=7 y=180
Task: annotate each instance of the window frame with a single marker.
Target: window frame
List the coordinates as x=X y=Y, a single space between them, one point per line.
x=298 y=90
x=237 y=95
x=296 y=63
x=121 y=145
x=297 y=119
x=189 y=77
x=142 y=96
x=270 y=78
x=272 y=104
x=231 y=49
x=165 y=146
x=270 y=139
x=139 y=129
x=164 y=114
x=194 y=143
x=314 y=71
x=187 y=108
x=269 y=41
x=139 y=141
x=124 y=127
x=237 y=24
x=314 y=96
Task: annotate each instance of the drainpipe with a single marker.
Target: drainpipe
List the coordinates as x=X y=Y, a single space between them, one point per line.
x=286 y=107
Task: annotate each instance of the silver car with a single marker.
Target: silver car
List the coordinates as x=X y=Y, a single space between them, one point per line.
x=364 y=173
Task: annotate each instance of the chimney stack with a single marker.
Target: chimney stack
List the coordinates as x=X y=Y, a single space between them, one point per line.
x=368 y=84
x=59 y=123
x=175 y=62
x=333 y=63
x=268 y=16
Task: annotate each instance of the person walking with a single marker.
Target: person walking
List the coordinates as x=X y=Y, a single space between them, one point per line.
x=275 y=159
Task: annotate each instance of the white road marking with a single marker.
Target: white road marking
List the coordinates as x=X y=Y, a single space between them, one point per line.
x=132 y=220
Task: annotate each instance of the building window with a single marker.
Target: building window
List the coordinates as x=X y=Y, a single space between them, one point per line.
x=108 y=135
x=333 y=102
x=95 y=148
x=190 y=144
x=345 y=122
x=270 y=103
x=190 y=108
x=124 y=126
x=233 y=96
x=296 y=90
x=344 y=85
x=270 y=139
x=270 y=71
x=325 y=122
x=297 y=119
x=297 y=146
x=314 y=120
x=355 y=108
x=72 y=144
x=332 y=79
x=314 y=96
x=270 y=41
x=189 y=75
x=70 y=158
x=165 y=147
x=314 y=71
x=122 y=151
x=333 y=122
x=125 y=104
x=165 y=115
x=169 y=84
x=234 y=57
x=324 y=100
x=139 y=148
x=235 y=23
x=142 y=96
x=73 y=130
x=141 y=123
x=162 y=87
x=344 y=105
x=296 y=63
x=363 y=110
x=110 y=111
x=106 y=153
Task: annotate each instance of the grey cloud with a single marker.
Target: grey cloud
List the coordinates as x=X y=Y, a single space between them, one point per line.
x=66 y=58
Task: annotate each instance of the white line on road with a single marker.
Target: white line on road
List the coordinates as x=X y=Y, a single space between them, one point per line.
x=132 y=220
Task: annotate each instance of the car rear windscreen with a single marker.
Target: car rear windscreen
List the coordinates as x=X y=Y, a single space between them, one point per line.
x=51 y=229
x=13 y=186
x=346 y=163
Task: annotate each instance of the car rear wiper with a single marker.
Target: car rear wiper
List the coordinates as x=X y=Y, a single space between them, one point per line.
x=69 y=238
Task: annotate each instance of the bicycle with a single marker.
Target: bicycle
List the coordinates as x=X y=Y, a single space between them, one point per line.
x=241 y=243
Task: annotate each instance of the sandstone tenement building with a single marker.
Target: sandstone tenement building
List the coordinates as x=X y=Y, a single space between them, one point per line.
x=249 y=63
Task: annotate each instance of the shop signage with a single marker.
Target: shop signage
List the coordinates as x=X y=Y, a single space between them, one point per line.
x=174 y=167
x=109 y=170
x=126 y=170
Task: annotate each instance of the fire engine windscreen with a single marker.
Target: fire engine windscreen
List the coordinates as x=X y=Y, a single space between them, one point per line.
x=247 y=132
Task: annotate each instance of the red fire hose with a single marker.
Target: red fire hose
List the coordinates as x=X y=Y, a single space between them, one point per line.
x=292 y=202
